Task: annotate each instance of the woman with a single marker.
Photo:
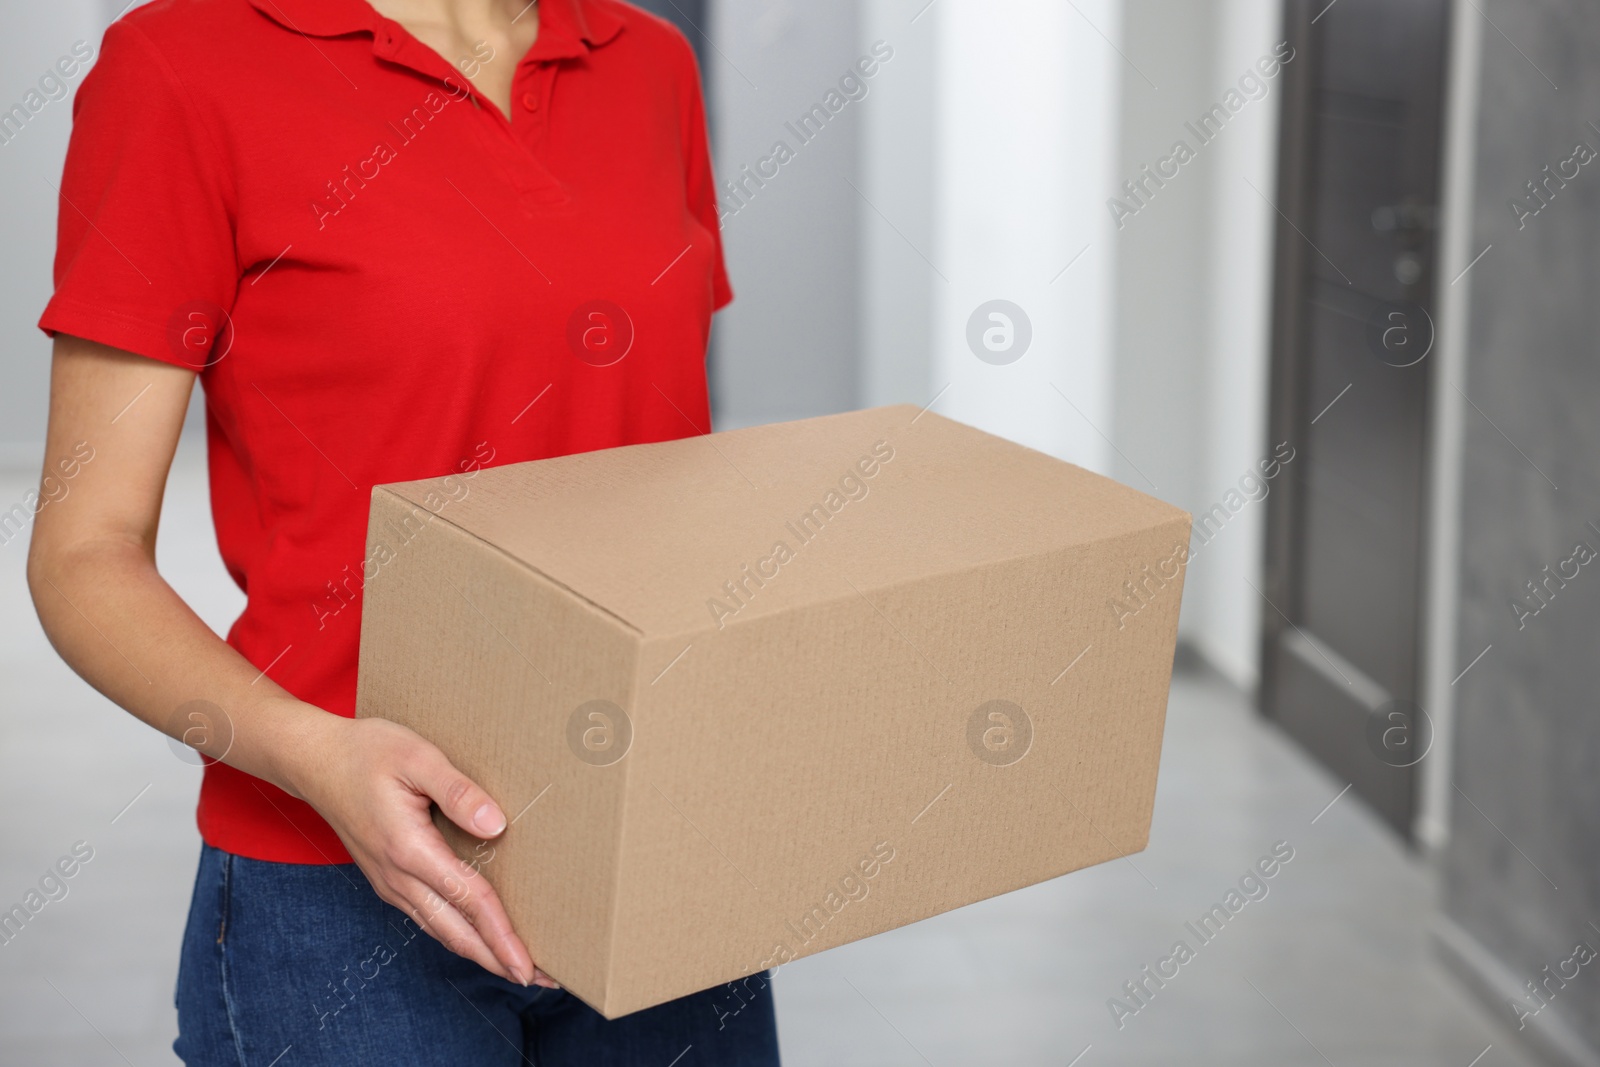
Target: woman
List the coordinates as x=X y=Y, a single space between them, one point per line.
x=392 y=241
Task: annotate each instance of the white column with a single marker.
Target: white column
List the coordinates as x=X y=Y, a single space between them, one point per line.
x=897 y=164
x=1025 y=127
x=1226 y=612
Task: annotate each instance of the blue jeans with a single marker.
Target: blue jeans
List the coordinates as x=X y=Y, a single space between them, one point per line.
x=291 y=965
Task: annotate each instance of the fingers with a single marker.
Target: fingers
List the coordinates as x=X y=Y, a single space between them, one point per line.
x=448 y=896
x=471 y=895
x=461 y=799
x=441 y=921
x=459 y=892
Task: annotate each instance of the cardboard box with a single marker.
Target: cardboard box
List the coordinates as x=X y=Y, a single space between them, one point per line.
x=754 y=695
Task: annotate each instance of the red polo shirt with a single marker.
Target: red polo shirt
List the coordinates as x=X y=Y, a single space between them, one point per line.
x=381 y=277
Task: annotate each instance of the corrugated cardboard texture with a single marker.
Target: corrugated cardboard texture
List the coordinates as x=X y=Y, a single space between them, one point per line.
x=486 y=659
x=804 y=767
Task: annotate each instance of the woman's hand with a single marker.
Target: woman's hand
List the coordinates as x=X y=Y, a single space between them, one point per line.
x=374 y=781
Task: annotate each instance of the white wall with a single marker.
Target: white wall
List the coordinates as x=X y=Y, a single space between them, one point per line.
x=897 y=166
x=1193 y=300
x=1027 y=98
x=1162 y=317
x=994 y=158
x=787 y=346
x=33 y=37
x=1224 y=612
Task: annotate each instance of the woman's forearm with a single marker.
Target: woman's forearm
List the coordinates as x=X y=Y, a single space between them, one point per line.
x=117 y=622
x=92 y=570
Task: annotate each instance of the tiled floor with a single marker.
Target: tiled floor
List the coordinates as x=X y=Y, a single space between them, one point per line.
x=1332 y=966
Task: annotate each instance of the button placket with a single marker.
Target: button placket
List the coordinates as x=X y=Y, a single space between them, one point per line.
x=502 y=139
x=528 y=131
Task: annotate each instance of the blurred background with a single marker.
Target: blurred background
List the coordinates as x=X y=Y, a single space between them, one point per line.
x=1321 y=273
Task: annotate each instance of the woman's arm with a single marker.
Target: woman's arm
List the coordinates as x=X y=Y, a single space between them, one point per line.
x=92 y=572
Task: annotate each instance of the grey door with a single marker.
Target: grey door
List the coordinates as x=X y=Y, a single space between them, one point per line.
x=1352 y=337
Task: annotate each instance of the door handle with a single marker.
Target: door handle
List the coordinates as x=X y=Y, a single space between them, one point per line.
x=1408 y=217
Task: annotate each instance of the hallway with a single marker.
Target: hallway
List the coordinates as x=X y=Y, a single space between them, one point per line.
x=1328 y=961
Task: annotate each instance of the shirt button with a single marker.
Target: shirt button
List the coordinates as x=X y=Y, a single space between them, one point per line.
x=530 y=101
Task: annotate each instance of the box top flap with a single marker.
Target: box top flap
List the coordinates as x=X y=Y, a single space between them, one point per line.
x=715 y=530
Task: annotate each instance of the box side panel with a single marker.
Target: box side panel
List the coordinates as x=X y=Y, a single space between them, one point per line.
x=805 y=780
x=491 y=662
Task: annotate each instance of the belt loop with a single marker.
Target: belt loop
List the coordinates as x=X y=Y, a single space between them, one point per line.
x=227 y=893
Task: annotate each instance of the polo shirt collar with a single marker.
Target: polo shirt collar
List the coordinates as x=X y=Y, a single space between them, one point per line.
x=567 y=28
x=320 y=18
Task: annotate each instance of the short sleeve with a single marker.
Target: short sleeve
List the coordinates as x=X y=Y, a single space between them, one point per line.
x=145 y=233
x=700 y=180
